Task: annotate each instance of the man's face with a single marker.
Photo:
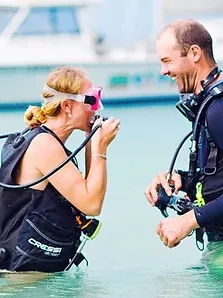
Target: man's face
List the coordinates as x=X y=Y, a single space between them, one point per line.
x=181 y=69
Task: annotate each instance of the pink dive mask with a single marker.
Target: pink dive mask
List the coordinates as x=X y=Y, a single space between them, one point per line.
x=93 y=97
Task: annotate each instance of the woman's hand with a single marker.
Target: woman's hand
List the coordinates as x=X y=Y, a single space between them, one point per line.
x=104 y=135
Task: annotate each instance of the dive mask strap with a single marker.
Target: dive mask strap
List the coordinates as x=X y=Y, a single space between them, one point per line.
x=213 y=75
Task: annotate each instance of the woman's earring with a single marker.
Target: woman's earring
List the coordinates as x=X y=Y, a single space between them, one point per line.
x=69 y=115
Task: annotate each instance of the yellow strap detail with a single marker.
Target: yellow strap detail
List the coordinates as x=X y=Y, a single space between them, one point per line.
x=199 y=198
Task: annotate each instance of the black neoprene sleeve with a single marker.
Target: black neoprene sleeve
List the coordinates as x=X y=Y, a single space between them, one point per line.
x=211 y=213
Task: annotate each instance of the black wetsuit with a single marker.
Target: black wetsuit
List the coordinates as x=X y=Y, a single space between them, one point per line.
x=38 y=228
x=210 y=216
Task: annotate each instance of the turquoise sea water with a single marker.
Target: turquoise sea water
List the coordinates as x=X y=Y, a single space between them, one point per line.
x=127 y=259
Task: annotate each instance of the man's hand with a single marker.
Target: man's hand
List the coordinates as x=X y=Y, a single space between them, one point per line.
x=172 y=230
x=161 y=179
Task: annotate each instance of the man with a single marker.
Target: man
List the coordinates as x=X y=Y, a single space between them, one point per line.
x=184 y=48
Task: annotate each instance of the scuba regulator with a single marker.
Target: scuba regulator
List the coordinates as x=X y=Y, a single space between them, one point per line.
x=181 y=206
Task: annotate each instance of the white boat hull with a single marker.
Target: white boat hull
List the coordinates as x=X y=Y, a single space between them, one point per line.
x=121 y=82
x=38 y=36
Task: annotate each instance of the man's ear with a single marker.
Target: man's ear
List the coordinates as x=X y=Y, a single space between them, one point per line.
x=196 y=52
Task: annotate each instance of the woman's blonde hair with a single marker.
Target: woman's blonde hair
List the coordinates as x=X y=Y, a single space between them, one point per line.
x=63 y=79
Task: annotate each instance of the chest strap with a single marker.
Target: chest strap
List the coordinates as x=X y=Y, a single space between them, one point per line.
x=210 y=167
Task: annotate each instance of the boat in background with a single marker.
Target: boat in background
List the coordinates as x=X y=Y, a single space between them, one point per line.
x=39 y=35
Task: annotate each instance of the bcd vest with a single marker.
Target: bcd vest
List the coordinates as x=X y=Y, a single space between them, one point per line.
x=38 y=228
x=212 y=174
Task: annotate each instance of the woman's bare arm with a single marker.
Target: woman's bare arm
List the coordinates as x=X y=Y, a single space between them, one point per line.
x=45 y=153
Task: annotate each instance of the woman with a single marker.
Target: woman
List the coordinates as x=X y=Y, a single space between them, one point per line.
x=39 y=230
